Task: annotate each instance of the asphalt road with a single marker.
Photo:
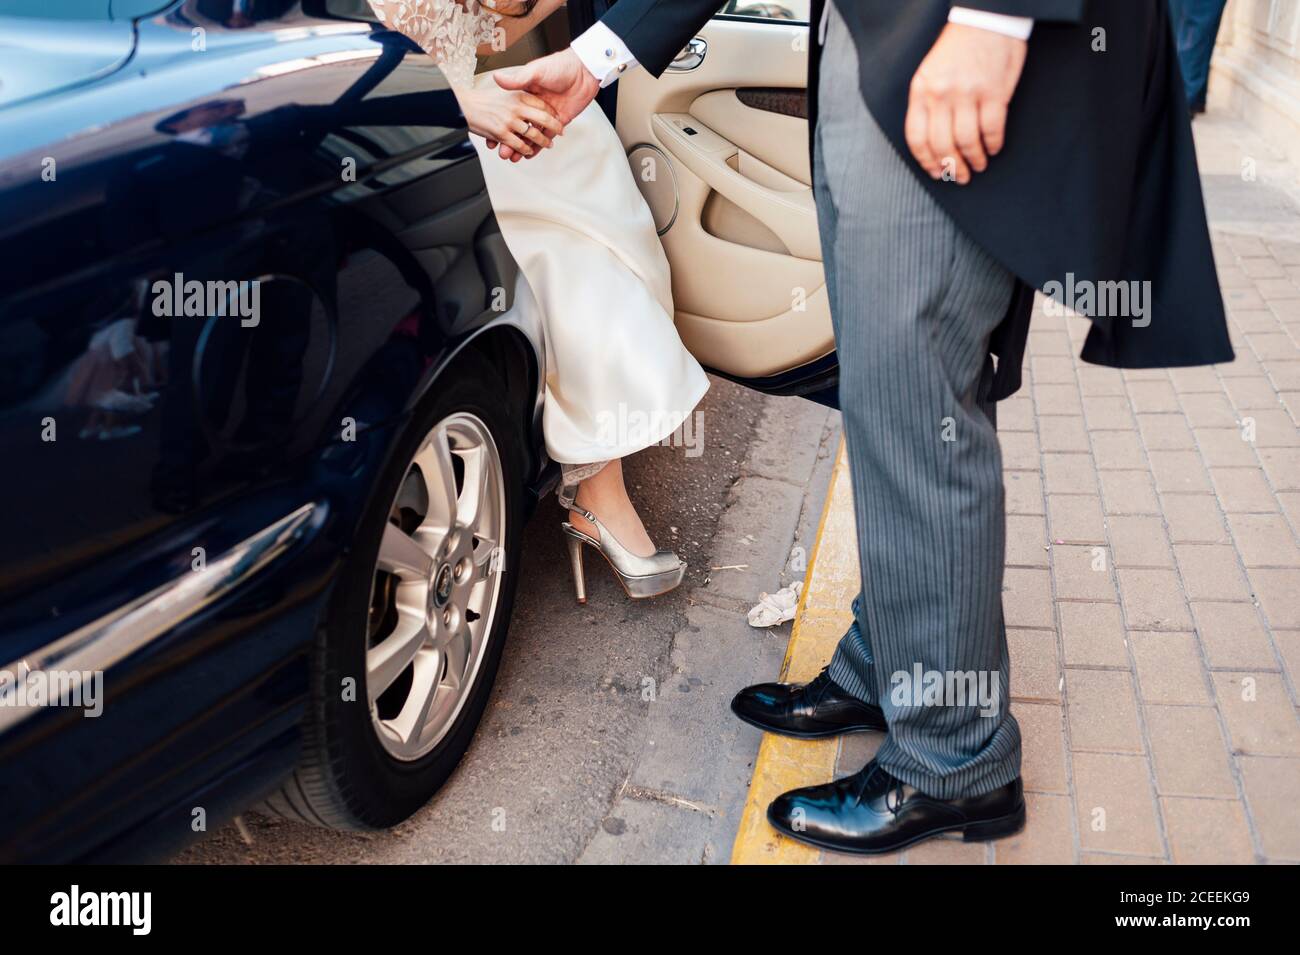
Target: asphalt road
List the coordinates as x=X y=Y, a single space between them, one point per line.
x=608 y=737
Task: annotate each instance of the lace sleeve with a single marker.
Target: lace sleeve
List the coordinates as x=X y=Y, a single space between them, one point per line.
x=450 y=31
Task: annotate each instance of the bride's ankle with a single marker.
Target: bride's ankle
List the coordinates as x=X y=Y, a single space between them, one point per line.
x=616 y=513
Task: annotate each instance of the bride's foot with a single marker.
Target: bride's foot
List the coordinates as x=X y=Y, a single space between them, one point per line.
x=604 y=519
x=605 y=495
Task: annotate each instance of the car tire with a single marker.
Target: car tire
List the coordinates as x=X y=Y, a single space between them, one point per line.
x=354 y=773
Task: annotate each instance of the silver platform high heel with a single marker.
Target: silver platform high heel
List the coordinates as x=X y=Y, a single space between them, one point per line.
x=641 y=577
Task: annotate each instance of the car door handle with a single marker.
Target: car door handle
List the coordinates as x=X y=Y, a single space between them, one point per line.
x=691 y=56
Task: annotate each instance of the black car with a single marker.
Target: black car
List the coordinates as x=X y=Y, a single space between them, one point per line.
x=270 y=414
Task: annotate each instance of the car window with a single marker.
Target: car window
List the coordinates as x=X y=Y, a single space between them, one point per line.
x=342 y=9
x=787 y=11
x=56 y=9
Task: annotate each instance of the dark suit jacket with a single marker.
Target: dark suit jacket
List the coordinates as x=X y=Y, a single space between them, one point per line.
x=1098 y=178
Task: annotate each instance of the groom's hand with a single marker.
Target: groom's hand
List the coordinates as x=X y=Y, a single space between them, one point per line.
x=560 y=79
x=957 y=107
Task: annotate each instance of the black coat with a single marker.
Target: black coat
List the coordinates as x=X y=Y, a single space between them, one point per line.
x=1098 y=179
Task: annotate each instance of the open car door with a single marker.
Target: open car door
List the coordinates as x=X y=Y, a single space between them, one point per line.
x=719 y=148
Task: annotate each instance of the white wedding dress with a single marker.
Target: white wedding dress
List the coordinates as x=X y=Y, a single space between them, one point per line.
x=618 y=378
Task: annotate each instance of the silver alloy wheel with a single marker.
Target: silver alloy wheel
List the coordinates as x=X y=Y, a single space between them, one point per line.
x=436 y=586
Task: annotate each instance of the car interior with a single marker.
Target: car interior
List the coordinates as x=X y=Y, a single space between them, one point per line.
x=719 y=147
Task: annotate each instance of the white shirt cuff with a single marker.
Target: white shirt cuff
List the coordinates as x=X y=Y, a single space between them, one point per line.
x=605 y=56
x=1018 y=27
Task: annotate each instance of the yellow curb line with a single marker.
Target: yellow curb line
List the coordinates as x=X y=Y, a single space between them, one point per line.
x=820 y=621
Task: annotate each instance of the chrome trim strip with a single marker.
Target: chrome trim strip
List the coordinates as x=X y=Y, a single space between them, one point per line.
x=117 y=635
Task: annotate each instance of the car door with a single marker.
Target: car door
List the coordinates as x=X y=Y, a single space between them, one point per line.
x=719 y=147
x=321 y=160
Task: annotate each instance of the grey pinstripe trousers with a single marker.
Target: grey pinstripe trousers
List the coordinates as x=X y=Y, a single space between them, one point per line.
x=914 y=302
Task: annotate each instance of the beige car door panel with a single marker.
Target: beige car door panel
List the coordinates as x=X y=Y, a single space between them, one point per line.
x=790 y=214
x=741 y=223
x=778 y=139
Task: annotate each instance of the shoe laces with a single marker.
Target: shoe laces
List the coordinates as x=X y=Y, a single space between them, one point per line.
x=818 y=685
x=895 y=789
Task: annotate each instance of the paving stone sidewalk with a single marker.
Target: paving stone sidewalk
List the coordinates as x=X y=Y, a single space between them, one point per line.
x=1153 y=574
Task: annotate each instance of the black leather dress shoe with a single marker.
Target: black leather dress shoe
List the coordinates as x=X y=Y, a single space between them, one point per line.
x=806 y=710
x=871 y=812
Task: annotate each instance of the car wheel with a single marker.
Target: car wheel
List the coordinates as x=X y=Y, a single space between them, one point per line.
x=405 y=661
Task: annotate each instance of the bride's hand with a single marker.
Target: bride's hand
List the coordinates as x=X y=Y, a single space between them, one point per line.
x=520 y=120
